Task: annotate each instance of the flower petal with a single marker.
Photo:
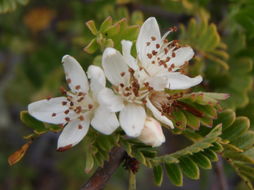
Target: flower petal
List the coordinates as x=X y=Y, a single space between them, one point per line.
x=178 y=81
x=150 y=29
x=115 y=67
x=126 y=48
x=73 y=133
x=132 y=119
x=157 y=114
x=108 y=99
x=75 y=75
x=182 y=55
x=50 y=111
x=104 y=121
x=158 y=83
x=97 y=79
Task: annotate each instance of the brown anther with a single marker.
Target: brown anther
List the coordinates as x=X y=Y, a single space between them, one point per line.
x=61 y=149
x=81 y=94
x=154 y=52
x=67 y=119
x=158 y=46
x=48 y=97
x=173 y=29
x=122 y=74
x=149 y=55
x=153 y=62
x=173 y=54
x=81 y=118
x=166 y=50
x=148 y=43
x=153 y=38
x=66 y=111
x=71 y=104
x=131 y=70
x=80 y=99
x=63 y=91
x=77 y=87
x=167 y=59
x=68 y=81
x=144 y=101
x=122 y=85
x=53 y=114
x=165 y=41
x=90 y=106
x=64 y=103
x=80 y=126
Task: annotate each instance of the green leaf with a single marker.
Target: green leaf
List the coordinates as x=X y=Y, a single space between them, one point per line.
x=202 y=160
x=106 y=24
x=158 y=174
x=227 y=118
x=179 y=119
x=189 y=168
x=89 y=163
x=91 y=26
x=245 y=140
x=211 y=155
x=240 y=126
x=175 y=174
x=10 y=5
x=33 y=123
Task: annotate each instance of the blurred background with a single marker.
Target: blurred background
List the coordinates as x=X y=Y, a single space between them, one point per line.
x=34 y=35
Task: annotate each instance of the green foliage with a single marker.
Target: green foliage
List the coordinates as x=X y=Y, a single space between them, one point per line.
x=110 y=34
x=188 y=160
x=10 y=5
x=195 y=109
x=205 y=39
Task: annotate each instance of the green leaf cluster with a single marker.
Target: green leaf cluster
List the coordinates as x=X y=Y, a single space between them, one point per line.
x=10 y=5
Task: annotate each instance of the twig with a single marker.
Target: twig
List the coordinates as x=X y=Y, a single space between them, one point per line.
x=220 y=174
x=102 y=175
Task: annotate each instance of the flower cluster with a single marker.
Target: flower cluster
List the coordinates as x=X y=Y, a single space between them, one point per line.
x=136 y=91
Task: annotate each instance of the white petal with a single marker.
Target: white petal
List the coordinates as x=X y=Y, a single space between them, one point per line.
x=108 y=99
x=50 y=111
x=114 y=66
x=97 y=79
x=73 y=133
x=75 y=75
x=104 y=121
x=159 y=83
x=149 y=29
x=157 y=114
x=178 y=81
x=132 y=119
x=183 y=54
x=126 y=48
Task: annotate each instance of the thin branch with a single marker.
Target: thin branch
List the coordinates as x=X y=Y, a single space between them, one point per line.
x=219 y=170
x=102 y=175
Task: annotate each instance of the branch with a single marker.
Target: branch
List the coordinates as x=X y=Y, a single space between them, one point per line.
x=220 y=174
x=102 y=175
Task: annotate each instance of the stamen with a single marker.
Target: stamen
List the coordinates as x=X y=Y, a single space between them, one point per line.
x=64 y=103
x=53 y=114
x=81 y=118
x=158 y=46
x=90 y=106
x=80 y=127
x=148 y=43
x=48 y=97
x=66 y=111
x=77 y=87
x=153 y=38
x=149 y=55
x=122 y=74
x=68 y=81
x=67 y=119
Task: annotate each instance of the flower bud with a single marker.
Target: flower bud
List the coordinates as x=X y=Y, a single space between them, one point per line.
x=152 y=133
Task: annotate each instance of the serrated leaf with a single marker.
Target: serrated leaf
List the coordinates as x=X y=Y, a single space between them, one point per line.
x=175 y=174
x=189 y=168
x=158 y=174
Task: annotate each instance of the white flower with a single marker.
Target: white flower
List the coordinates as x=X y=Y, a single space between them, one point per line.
x=79 y=107
x=162 y=61
x=132 y=94
x=152 y=133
